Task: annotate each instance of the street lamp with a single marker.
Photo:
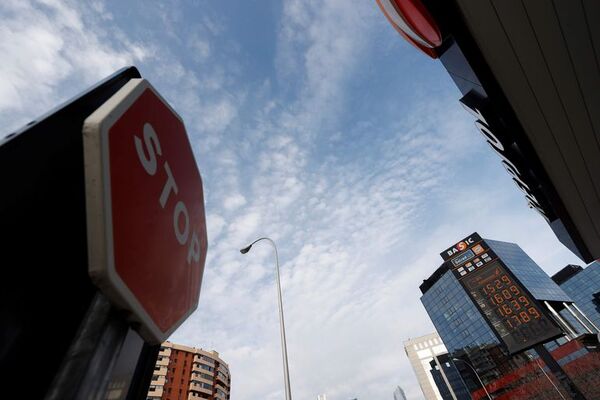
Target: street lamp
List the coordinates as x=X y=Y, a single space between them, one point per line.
x=476 y=374
x=286 y=372
x=546 y=375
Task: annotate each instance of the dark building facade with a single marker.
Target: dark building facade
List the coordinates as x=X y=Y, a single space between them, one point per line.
x=529 y=73
x=480 y=335
x=452 y=375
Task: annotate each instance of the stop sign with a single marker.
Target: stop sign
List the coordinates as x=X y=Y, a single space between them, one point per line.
x=145 y=209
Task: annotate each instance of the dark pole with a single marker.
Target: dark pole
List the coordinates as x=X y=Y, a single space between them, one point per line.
x=558 y=372
x=88 y=363
x=143 y=372
x=286 y=370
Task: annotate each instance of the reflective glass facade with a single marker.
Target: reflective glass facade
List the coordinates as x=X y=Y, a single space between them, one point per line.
x=455 y=317
x=584 y=289
x=541 y=286
x=468 y=336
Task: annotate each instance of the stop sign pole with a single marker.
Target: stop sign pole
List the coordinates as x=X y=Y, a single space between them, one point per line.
x=146 y=223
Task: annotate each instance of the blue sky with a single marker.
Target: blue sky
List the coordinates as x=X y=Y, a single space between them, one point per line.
x=314 y=123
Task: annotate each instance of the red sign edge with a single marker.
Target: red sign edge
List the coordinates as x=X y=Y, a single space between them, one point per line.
x=101 y=267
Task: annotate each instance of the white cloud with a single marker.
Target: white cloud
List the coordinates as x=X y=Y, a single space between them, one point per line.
x=215 y=224
x=200 y=47
x=217 y=116
x=234 y=201
x=243 y=226
x=320 y=43
x=48 y=45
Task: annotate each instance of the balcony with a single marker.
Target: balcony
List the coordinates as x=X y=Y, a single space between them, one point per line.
x=196 y=368
x=223 y=369
x=220 y=396
x=160 y=381
x=200 y=379
x=223 y=385
x=222 y=378
x=196 y=387
x=165 y=352
x=164 y=362
x=161 y=371
x=199 y=359
x=156 y=392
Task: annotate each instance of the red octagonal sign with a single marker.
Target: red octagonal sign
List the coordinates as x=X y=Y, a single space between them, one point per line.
x=145 y=209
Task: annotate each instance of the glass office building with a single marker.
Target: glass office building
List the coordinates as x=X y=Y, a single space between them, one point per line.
x=459 y=322
x=455 y=317
x=450 y=379
x=541 y=286
x=583 y=286
x=469 y=337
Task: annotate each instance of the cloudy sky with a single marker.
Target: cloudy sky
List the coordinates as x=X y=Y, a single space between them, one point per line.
x=313 y=123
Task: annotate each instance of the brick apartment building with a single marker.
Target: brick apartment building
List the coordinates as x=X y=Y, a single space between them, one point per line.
x=188 y=373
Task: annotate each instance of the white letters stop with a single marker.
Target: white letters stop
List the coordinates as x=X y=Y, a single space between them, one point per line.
x=147 y=154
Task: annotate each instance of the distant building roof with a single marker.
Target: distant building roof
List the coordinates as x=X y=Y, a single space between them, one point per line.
x=429 y=282
x=566 y=273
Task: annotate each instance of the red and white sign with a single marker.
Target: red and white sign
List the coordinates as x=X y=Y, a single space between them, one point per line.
x=145 y=209
x=412 y=21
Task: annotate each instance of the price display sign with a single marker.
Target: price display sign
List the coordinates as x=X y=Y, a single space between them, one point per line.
x=514 y=315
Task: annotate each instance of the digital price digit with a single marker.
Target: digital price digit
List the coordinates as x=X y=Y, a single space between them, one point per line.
x=535 y=313
x=508 y=308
